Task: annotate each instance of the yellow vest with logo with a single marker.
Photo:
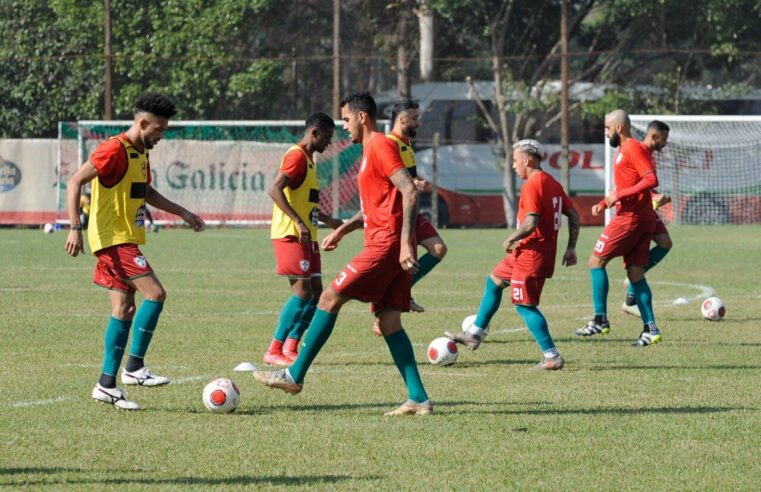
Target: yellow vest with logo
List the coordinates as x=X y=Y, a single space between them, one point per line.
x=305 y=200
x=117 y=213
x=408 y=155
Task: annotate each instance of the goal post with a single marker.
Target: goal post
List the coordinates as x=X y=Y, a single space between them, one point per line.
x=710 y=168
x=221 y=170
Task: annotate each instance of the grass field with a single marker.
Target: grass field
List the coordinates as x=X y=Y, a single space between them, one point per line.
x=685 y=414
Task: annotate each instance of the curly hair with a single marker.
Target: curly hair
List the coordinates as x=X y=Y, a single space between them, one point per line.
x=156 y=104
x=321 y=121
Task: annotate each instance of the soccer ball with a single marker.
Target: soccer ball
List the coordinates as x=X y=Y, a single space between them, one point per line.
x=48 y=228
x=468 y=322
x=221 y=396
x=713 y=309
x=442 y=352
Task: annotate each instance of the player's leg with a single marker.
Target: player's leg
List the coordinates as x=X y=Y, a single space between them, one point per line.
x=115 y=341
x=488 y=307
x=600 y=286
x=635 y=269
x=400 y=346
x=294 y=261
x=291 y=345
x=662 y=247
x=429 y=238
x=146 y=319
x=525 y=293
x=290 y=314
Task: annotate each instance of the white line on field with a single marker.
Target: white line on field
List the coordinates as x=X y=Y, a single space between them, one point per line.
x=31 y=403
x=188 y=379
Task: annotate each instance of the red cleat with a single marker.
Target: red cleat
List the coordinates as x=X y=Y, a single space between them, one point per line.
x=291 y=349
x=276 y=359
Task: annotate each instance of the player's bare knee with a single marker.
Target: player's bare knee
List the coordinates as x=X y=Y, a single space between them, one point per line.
x=157 y=294
x=124 y=311
x=330 y=301
x=389 y=322
x=664 y=241
x=439 y=250
x=596 y=262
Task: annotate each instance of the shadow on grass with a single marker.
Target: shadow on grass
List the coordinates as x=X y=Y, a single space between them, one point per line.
x=496 y=362
x=210 y=481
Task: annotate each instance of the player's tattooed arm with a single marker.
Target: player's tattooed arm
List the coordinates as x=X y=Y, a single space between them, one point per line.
x=403 y=182
x=527 y=227
x=574 y=222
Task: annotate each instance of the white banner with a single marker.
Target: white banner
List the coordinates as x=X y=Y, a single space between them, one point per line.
x=475 y=168
x=28 y=181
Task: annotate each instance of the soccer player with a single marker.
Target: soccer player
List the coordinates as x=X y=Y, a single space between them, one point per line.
x=296 y=193
x=655 y=140
x=630 y=231
x=531 y=255
x=121 y=186
x=382 y=272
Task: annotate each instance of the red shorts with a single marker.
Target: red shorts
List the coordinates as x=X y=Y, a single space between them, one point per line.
x=295 y=259
x=424 y=229
x=660 y=227
x=376 y=276
x=633 y=243
x=525 y=289
x=117 y=264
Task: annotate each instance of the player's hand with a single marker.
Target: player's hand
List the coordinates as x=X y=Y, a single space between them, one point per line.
x=305 y=236
x=610 y=199
x=596 y=209
x=330 y=242
x=407 y=259
x=509 y=244
x=194 y=221
x=569 y=258
x=423 y=185
x=74 y=244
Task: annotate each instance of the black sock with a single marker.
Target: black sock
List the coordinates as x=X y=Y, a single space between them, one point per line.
x=134 y=363
x=630 y=300
x=601 y=319
x=107 y=381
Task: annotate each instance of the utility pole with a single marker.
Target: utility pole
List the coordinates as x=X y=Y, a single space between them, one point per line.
x=565 y=172
x=107 y=104
x=336 y=59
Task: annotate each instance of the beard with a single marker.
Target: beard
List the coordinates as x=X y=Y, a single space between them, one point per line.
x=411 y=132
x=615 y=140
x=148 y=144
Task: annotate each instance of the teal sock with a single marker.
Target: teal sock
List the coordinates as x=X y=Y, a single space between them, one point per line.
x=644 y=301
x=289 y=315
x=146 y=319
x=117 y=334
x=599 y=290
x=301 y=324
x=318 y=333
x=537 y=325
x=489 y=303
x=404 y=357
x=427 y=262
x=656 y=255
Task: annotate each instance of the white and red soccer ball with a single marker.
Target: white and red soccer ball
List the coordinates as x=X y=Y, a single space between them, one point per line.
x=221 y=396
x=442 y=352
x=713 y=309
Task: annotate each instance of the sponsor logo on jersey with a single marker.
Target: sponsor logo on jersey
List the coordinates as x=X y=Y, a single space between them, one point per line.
x=619 y=156
x=140 y=216
x=363 y=165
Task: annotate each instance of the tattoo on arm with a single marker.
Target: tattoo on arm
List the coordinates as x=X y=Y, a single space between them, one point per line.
x=573 y=227
x=525 y=230
x=406 y=186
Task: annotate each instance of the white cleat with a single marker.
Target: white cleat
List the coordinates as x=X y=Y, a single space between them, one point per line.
x=113 y=396
x=632 y=310
x=143 y=377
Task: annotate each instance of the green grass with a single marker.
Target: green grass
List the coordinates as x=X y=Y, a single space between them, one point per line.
x=684 y=414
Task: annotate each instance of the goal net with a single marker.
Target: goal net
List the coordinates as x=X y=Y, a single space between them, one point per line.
x=221 y=170
x=709 y=168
